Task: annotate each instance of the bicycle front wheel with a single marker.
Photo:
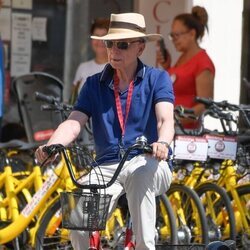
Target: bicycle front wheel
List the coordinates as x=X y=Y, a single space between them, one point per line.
x=219 y=211
x=165 y=222
x=50 y=234
x=190 y=215
x=241 y=205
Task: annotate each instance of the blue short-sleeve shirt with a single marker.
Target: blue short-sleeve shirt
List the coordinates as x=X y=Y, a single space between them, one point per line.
x=97 y=100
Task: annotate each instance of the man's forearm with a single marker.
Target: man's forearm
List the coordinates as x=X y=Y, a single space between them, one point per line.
x=166 y=132
x=65 y=133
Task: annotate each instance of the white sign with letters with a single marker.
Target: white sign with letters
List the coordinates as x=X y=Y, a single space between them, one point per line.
x=5 y=21
x=222 y=147
x=21 y=44
x=190 y=148
x=22 y=4
x=39 y=25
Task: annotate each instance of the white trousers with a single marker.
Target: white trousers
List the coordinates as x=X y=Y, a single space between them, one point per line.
x=142 y=178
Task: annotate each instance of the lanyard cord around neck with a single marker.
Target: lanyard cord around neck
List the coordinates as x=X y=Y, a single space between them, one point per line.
x=118 y=102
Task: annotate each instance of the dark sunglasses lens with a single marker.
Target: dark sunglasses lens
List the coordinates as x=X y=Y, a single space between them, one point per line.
x=109 y=44
x=122 y=45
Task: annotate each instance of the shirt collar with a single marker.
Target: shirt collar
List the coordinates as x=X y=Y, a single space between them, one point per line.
x=108 y=72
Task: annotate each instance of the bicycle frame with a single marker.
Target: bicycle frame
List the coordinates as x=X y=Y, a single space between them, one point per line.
x=14 y=183
x=7 y=179
x=197 y=177
x=58 y=179
x=228 y=179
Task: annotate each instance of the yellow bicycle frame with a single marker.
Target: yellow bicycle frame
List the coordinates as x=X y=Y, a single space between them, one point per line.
x=39 y=203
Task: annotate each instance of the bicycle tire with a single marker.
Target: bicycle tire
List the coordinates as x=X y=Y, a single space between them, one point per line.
x=221 y=207
x=171 y=221
x=190 y=229
x=55 y=241
x=243 y=236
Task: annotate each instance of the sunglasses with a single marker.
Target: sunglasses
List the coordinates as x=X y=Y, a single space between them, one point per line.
x=176 y=35
x=120 y=44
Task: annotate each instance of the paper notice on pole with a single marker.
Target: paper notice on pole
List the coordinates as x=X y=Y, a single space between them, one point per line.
x=6 y=3
x=5 y=21
x=21 y=44
x=39 y=25
x=22 y=4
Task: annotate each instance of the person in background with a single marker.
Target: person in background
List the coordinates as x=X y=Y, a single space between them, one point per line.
x=98 y=28
x=126 y=100
x=193 y=73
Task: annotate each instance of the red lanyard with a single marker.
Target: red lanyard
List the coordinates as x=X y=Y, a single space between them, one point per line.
x=118 y=102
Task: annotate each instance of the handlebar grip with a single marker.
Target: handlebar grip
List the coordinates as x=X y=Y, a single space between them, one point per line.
x=45 y=98
x=48 y=150
x=53 y=149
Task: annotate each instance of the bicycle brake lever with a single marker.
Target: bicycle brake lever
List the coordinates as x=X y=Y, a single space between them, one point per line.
x=52 y=149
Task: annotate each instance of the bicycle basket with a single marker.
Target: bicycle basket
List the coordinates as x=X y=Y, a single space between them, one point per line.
x=84 y=211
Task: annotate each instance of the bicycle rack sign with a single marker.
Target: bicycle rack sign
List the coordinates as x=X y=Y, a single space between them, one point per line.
x=192 y=148
x=222 y=147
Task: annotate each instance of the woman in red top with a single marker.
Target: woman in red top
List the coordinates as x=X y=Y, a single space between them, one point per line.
x=193 y=73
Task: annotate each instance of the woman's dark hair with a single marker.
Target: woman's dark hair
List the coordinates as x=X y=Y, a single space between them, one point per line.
x=197 y=20
x=101 y=23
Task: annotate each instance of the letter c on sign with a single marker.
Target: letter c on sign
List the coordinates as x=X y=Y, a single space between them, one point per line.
x=159 y=9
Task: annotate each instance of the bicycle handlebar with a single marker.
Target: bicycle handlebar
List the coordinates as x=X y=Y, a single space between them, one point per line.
x=141 y=143
x=184 y=112
x=54 y=103
x=45 y=98
x=226 y=118
x=225 y=105
x=222 y=104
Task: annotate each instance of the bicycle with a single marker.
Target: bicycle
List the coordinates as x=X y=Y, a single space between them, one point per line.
x=193 y=172
x=17 y=184
x=91 y=217
x=230 y=173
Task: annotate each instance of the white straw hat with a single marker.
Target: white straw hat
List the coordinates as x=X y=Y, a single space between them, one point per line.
x=127 y=25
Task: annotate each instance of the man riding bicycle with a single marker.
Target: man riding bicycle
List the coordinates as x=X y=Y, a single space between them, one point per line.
x=126 y=100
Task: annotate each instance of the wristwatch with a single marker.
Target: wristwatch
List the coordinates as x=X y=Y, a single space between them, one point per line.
x=164 y=143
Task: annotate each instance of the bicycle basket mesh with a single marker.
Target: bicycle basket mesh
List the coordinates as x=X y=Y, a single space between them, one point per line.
x=84 y=211
x=81 y=158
